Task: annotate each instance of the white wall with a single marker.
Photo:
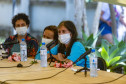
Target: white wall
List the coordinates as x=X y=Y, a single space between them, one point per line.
x=90 y=17
x=46 y=14
x=5 y=13
x=41 y=15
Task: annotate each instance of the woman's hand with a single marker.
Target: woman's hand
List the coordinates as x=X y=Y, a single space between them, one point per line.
x=48 y=56
x=67 y=61
x=61 y=57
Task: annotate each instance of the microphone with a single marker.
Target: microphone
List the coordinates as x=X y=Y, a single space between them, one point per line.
x=5 y=44
x=50 y=44
x=11 y=42
x=83 y=55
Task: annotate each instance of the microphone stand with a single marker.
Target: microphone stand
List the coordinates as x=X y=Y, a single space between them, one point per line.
x=8 y=43
x=9 y=53
x=50 y=56
x=84 y=68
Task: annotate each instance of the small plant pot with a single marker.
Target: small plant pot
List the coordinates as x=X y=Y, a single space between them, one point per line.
x=108 y=70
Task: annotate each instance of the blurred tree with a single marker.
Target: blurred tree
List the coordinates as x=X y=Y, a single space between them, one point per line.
x=81 y=18
x=114 y=27
x=94 y=29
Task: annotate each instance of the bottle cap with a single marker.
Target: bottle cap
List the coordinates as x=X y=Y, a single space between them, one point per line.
x=43 y=43
x=92 y=50
x=23 y=39
x=93 y=60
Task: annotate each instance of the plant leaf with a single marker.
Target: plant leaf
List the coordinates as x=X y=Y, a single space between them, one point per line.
x=90 y=40
x=107 y=63
x=116 y=42
x=99 y=32
x=104 y=54
x=98 y=53
x=115 y=59
x=84 y=36
x=112 y=48
x=121 y=50
x=105 y=44
x=87 y=41
x=90 y=37
x=113 y=54
x=121 y=44
x=123 y=58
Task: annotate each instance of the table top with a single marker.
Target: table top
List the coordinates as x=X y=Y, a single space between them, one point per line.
x=66 y=77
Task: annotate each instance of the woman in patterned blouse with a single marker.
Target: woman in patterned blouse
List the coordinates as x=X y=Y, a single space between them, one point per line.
x=21 y=23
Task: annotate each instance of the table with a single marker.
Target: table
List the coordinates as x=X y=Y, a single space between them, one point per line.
x=66 y=77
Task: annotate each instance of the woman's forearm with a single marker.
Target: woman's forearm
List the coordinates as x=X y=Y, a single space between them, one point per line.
x=55 y=56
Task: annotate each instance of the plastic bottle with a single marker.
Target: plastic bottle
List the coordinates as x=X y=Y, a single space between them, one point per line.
x=43 y=55
x=23 y=50
x=93 y=64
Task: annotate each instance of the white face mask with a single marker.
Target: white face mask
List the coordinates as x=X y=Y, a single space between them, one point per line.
x=46 y=40
x=65 y=38
x=21 y=30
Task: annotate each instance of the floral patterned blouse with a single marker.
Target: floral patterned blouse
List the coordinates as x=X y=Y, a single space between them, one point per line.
x=32 y=45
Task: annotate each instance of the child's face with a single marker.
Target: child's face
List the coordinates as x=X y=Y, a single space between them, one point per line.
x=48 y=34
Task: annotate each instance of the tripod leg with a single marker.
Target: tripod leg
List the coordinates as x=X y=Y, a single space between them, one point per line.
x=50 y=57
x=50 y=60
x=85 y=73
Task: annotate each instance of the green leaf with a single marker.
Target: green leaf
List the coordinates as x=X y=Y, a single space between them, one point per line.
x=84 y=36
x=115 y=59
x=112 y=67
x=98 y=53
x=122 y=63
x=116 y=42
x=99 y=32
x=121 y=50
x=34 y=62
x=105 y=44
x=113 y=54
x=123 y=58
x=107 y=63
x=89 y=40
x=121 y=44
x=112 y=48
x=90 y=37
x=104 y=54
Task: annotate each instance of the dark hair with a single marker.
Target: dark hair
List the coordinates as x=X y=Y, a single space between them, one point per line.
x=54 y=29
x=71 y=27
x=20 y=16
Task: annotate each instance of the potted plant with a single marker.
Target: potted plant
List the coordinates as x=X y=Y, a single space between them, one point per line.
x=113 y=54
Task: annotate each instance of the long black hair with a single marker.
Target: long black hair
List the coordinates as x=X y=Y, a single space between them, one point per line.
x=71 y=27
